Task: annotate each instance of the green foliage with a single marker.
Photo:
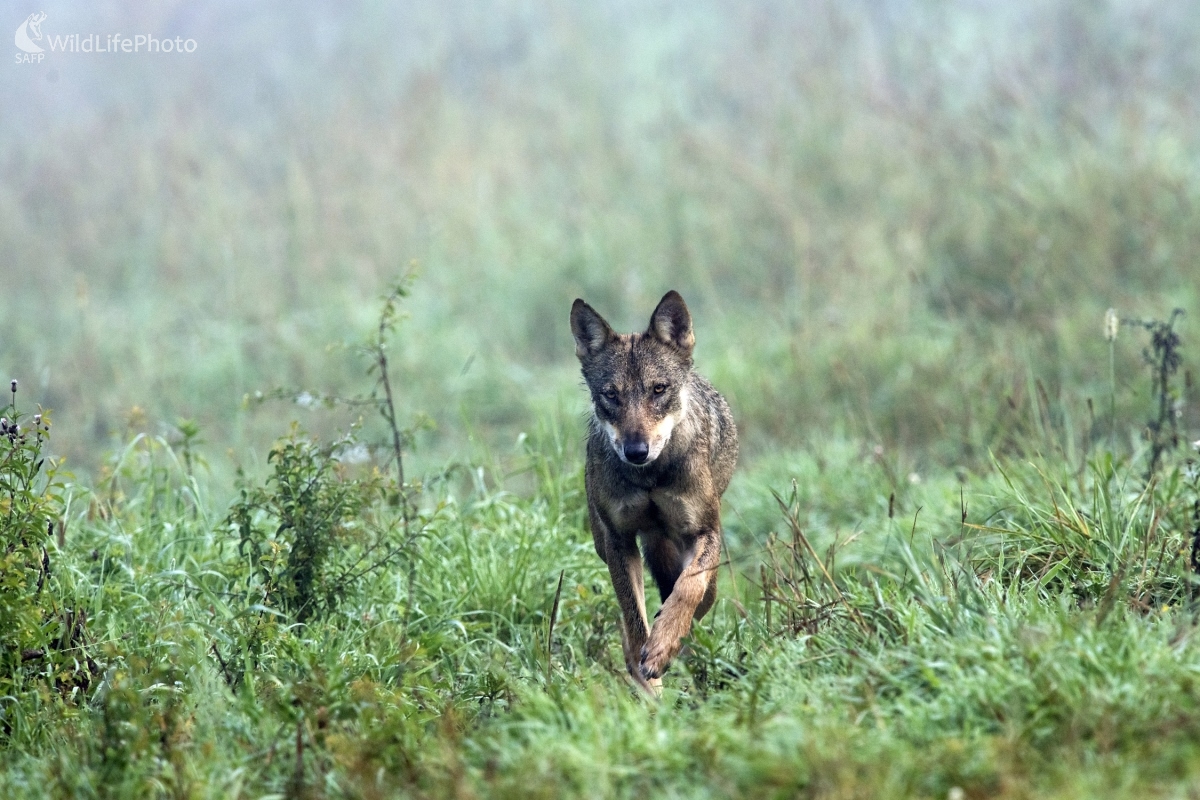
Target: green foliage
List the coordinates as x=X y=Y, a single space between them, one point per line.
x=139 y=744
x=318 y=529
x=29 y=513
x=311 y=532
x=1023 y=622
x=41 y=635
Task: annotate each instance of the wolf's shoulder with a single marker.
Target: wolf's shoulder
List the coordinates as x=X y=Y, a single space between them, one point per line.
x=707 y=404
x=717 y=431
x=702 y=393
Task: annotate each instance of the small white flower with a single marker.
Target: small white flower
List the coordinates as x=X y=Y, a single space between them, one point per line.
x=914 y=478
x=1112 y=324
x=305 y=400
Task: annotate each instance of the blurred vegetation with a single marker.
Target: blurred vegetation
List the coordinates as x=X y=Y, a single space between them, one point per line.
x=895 y=217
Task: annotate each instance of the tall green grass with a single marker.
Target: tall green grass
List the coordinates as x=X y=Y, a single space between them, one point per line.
x=1022 y=633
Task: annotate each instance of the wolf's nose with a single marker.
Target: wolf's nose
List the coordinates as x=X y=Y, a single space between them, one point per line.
x=637 y=452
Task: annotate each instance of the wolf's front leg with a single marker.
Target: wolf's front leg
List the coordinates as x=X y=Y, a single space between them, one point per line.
x=625 y=570
x=696 y=585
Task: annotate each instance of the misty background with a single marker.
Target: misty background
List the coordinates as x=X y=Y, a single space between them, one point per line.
x=901 y=221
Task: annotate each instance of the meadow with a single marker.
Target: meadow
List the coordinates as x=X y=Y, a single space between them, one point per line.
x=963 y=541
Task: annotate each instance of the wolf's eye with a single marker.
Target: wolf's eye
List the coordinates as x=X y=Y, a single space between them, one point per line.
x=611 y=394
x=659 y=388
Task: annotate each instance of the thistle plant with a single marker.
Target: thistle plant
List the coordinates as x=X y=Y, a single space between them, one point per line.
x=1164 y=359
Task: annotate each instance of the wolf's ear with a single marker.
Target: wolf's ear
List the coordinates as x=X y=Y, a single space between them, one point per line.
x=672 y=324
x=590 y=330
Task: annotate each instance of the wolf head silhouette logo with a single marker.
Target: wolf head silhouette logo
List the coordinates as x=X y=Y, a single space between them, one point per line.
x=30 y=32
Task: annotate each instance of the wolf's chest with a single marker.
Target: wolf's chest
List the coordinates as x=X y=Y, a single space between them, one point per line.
x=659 y=511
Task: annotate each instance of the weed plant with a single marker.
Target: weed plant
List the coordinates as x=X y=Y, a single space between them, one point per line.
x=43 y=637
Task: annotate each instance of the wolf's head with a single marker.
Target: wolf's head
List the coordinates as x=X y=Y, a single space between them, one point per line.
x=638 y=381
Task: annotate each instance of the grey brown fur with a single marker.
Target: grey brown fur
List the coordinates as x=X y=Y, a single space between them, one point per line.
x=661 y=449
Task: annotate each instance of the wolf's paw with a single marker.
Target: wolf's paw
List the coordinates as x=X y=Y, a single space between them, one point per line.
x=656 y=657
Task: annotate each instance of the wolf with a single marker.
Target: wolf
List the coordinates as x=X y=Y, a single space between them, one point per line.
x=661 y=448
